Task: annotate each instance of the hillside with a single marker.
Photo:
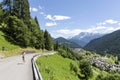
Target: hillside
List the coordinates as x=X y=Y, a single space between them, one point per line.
x=20 y=28
x=109 y=43
x=3 y=42
x=9 y=49
x=56 y=67
x=64 y=41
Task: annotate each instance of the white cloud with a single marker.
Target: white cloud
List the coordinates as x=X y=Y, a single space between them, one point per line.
x=108 y=21
x=51 y=24
x=101 y=29
x=66 y=33
x=97 y=29
x=57 y=17
x=119 y=24
x=69 y=32
x=33 y=9
x=111 y=21
x=101 y=23
x=49 y=17
x=42 y=13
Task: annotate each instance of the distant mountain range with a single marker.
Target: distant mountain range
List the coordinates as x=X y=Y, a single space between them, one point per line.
x=79 y=40
x=64 y=41
x=85 y=37
x=109 y=43
x=99 y=43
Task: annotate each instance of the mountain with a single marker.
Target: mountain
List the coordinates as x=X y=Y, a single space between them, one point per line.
x=109 y=43
x=64 y=41
x=85 y=37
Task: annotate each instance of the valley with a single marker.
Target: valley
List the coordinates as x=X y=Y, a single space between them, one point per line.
x=83 y=34
x=101 y=67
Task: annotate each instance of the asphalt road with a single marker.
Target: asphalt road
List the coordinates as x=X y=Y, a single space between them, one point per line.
x=13 y=68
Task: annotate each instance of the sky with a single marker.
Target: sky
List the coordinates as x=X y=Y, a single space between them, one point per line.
x=67 y=18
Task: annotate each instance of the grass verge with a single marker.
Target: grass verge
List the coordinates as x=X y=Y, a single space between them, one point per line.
x=55 y=67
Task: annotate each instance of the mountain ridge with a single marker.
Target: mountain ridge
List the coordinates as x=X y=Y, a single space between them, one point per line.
x=85 y=37
x=109 y=43
x=64 y=41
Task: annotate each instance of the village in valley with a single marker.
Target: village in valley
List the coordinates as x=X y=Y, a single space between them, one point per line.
x=102 y=64
x=107 y=62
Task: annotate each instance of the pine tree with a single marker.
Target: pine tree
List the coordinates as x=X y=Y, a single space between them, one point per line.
x=36 y=20
x=25 y=12
x=56 y=46
x=37 y=35
x=8 y=5
x=21 y=29
x=1 y=13
x=17 y=5
x=17 y=34
x=48 y=41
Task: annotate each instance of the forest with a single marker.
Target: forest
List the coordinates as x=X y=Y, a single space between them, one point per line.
x=20 y=28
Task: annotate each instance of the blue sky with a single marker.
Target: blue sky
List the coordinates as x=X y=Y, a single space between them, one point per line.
x=67 y=18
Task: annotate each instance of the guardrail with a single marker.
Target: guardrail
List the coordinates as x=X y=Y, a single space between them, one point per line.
x=36 y=73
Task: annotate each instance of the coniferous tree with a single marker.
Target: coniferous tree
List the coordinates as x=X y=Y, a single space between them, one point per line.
x=56 y=46
x=36 y=20
x=21 y=29
x=1 y=13
x=17 y=5
x=40 y=40
x=8 y=5
x=48 y=41
x=37 y=35
x=17 y=34
x=1 y=5
x=25 y=12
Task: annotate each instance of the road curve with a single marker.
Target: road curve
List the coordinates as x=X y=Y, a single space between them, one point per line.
x=13 y=68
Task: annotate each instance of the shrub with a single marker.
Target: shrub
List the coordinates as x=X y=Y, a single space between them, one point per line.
x=86 y=69
x=74 y=68
x=62 y=53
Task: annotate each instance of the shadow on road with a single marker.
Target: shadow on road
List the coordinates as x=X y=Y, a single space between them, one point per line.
x=21 y=63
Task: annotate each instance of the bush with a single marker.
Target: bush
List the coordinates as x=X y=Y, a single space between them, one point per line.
x=62 y=53
x=74 y=68
x=86 y=69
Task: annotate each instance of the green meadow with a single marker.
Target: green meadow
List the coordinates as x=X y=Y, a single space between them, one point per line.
x=55 y=67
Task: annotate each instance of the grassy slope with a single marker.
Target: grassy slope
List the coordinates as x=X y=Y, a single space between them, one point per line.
x=8 y=46
x=56 y=67
x=97 y=72
x=10 y=49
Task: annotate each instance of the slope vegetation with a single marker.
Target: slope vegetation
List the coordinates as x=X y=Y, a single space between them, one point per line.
x=64 y=41
x=3 y=42
x=56 y=67
x=9 y=49
x=109 y=43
